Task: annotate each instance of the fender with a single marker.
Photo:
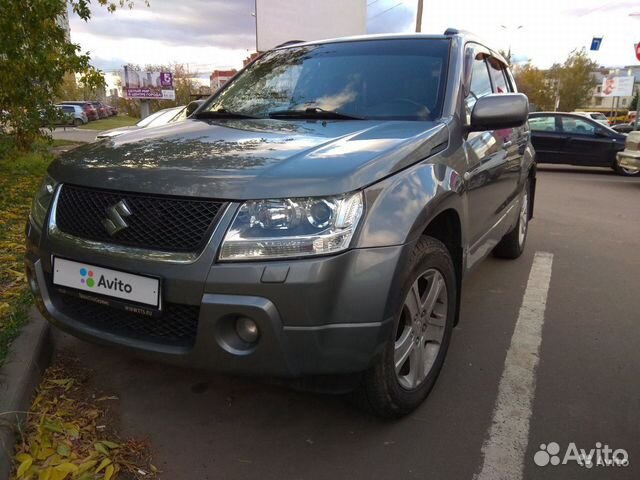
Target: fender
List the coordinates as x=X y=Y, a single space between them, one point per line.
x=400 y=208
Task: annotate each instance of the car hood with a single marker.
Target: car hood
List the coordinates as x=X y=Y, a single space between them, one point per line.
x=251 y=159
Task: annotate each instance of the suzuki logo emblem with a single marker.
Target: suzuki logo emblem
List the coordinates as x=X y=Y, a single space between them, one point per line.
x=115 y=217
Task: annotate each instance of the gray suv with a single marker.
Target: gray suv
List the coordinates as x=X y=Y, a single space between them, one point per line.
x=313 y=219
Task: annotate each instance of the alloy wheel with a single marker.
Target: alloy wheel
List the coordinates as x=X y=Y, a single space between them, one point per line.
x=421 y=329
x=524 y=219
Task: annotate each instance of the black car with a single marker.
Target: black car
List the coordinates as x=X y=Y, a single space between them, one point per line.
x=624 y=127
x=572 y=139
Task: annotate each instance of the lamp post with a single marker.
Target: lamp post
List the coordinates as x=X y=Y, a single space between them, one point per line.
x=506 y=28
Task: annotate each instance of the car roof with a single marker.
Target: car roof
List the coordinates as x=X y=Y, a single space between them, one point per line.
x=571 y=114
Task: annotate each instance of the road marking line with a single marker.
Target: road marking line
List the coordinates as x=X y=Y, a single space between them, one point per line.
x=504 y=448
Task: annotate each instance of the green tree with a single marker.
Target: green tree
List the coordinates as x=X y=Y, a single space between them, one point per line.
x=534 y=83
x=575 y=80
x=35 y=56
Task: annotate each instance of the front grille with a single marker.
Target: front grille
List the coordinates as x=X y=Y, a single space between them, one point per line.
x=177 y=326
x=156 y=222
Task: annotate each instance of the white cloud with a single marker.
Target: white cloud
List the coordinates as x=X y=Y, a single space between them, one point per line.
x=217 y=33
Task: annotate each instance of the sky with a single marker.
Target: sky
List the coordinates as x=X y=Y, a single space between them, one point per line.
x=208 y=34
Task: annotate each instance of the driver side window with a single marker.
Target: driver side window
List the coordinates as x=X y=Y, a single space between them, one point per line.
x=480 y=83
x=578 y=126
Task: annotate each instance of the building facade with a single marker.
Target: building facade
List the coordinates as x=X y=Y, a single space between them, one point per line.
x=219 y=77
x=608 y=105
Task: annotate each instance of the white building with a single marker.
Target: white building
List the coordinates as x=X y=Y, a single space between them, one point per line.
x=599 y=102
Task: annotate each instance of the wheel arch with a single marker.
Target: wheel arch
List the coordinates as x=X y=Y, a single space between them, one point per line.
x=446 y=227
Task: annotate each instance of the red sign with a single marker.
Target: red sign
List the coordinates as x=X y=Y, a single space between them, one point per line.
x=638 y=51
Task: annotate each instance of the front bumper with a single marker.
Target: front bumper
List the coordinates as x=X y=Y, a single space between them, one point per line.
x=629 y=160
x=320 y=315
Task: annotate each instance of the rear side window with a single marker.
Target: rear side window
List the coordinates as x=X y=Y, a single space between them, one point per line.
x=543 y=124
x=498 y=75
x=68 y=109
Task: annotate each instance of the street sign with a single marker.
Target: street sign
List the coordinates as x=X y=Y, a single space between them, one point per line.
x=595 y=43
x=638 y=50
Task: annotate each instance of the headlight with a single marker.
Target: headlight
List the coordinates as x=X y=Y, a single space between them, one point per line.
x=292 y=227
x=42 y=200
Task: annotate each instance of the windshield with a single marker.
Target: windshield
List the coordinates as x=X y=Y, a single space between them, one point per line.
x=375 y=79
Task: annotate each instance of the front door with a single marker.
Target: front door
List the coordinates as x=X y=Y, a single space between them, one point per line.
x=587 y=143
x=488 y=179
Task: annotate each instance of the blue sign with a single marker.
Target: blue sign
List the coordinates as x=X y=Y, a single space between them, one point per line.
x=595 y=43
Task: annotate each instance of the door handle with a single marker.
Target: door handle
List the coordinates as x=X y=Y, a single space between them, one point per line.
x=507 y=144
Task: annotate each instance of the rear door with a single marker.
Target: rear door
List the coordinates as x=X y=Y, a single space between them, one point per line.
x=588 y=143
x=547 y=138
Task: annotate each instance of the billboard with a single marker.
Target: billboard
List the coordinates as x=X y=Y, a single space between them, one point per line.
x=279 y=21
x=617 y=87
x=147 y=85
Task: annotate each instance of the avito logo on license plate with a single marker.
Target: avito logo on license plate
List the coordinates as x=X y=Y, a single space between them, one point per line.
x=105 y=281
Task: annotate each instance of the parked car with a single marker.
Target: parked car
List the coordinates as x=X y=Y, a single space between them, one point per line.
x=597 y=116
x=316 y=216
x=101 y=109
x=92 y=113
x=161 y=117
x=113 y=111
x=77 y=114
x=572 y=139
x=629 y=159
x=624 y=127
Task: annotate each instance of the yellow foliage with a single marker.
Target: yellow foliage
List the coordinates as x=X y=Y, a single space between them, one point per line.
x=62 y=440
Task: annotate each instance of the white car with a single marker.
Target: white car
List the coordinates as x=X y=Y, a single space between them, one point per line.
x=161 y=117
x=629 y=159
x=597 y=116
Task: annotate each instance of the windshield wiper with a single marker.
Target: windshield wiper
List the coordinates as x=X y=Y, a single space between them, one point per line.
x=313 y=113
x=221 y=113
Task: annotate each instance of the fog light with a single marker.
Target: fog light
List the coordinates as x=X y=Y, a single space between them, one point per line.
x=247 y=329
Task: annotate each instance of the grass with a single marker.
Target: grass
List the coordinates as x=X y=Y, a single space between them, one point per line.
x=20 y=175
x=111 y=122
x=59 y=142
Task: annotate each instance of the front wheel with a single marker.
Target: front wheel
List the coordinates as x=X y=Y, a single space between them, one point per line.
x=512 y=244
x=626 y=172
x=407 y=370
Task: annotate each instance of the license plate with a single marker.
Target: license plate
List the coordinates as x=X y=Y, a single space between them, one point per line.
x=107 y=282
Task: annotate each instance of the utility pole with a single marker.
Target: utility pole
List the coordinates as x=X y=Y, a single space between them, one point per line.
x=419 y=17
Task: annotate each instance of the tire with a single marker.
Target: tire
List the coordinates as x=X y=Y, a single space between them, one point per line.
x=512 y=244
x=390 y=394
x=77 y=122
x=625 y=172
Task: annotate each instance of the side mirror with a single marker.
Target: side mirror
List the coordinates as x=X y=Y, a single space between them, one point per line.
x=497 y=111
x=601 y=133
x=193 y=106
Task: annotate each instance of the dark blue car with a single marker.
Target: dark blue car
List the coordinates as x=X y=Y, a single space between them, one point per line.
x=572 y=139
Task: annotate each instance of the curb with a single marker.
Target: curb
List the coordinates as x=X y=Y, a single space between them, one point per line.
x=28 y=358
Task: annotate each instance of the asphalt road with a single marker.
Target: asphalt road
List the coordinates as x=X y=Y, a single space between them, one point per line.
x=585 y=387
